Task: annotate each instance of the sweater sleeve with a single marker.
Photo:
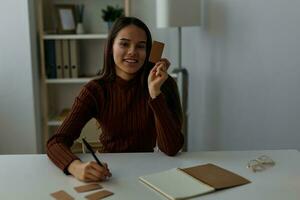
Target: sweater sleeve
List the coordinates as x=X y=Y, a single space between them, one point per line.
x=58 y=146
x=168 y=119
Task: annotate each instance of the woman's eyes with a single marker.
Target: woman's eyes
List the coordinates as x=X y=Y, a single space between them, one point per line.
x=139 y=46
x=124 y=44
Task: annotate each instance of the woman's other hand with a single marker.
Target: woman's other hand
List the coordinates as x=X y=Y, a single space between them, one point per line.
x=89 y=171
x=157 y=76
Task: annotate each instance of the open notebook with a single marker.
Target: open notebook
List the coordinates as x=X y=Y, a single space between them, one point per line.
x=193 y=181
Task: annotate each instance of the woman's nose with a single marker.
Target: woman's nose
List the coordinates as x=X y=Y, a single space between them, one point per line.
x=132 y=50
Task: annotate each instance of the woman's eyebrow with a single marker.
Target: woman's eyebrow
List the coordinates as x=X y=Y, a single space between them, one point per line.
x=127 y=40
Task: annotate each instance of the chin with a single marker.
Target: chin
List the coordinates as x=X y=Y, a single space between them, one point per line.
x=132 y=69
x=132 y=72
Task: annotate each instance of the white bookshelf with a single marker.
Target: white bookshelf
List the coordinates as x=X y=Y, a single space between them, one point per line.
x=58 y=94
x=68 y=80
x=74 y=36
x=54 y=123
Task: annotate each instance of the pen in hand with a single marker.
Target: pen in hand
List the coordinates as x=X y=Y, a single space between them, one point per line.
x=92 y=152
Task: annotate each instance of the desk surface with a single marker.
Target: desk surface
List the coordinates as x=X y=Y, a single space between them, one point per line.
x=35 y=176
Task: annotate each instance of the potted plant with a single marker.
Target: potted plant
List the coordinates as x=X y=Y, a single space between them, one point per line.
x=80 y=12
x=110 y=14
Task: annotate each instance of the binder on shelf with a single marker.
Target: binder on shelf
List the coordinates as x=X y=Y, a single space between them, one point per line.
x=50 y=62
x=74 y=58
x=58 y=58
x=190 y=182
x=66 y=59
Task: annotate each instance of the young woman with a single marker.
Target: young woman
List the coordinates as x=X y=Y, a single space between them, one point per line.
x=136 y=104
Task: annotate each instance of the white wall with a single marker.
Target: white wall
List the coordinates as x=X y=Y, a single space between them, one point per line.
x=246 y=75
x=244 y=68
x=18 y=128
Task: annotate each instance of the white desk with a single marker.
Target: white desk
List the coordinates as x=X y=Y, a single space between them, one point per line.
x=34 y=177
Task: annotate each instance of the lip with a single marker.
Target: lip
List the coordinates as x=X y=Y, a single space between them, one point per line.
x=130 y=60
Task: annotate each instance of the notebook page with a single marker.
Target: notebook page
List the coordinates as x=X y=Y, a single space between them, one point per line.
x=175 y=184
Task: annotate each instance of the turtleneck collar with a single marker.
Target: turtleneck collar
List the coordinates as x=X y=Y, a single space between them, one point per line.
x=126 y=83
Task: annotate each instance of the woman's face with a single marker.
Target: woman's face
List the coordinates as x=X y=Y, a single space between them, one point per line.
x=129 y=51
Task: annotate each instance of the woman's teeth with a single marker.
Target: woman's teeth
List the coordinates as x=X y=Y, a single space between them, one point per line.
x=131 y=60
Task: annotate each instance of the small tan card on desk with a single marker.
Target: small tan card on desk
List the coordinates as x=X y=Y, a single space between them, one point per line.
x=61 y=195
x=99 y=195
x=156 y=51
x=88 y=187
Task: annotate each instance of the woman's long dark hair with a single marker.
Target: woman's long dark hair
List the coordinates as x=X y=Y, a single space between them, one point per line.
x=108 y=70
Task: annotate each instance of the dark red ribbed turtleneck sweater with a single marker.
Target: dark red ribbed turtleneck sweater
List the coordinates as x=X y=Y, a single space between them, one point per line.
x=130 y=120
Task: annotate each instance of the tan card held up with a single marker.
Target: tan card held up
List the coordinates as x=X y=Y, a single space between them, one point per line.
x=215 y=176
x=99 y=195
x=88 y=187
x=61 y=195
x=156 y=51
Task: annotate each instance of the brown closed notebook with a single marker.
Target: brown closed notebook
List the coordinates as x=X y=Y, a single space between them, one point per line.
x=215 y=176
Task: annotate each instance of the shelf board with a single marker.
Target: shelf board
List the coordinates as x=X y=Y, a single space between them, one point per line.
x=54 y=123
x=68 y=80
x=74 y=36
x=79 y=80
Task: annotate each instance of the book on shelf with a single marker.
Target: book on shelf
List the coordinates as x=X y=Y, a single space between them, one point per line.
x=50 y=58
x=58 y=56
x=66 y=59
x=74 y=58
x=62 y=58
x=184 y=183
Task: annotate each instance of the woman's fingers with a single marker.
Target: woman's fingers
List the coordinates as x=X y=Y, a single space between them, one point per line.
x=165 y=62
x=159 y=69
x=99 y=169
x=95 y=172
x=106 y=167
x=91 y=177
x=158 y=75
